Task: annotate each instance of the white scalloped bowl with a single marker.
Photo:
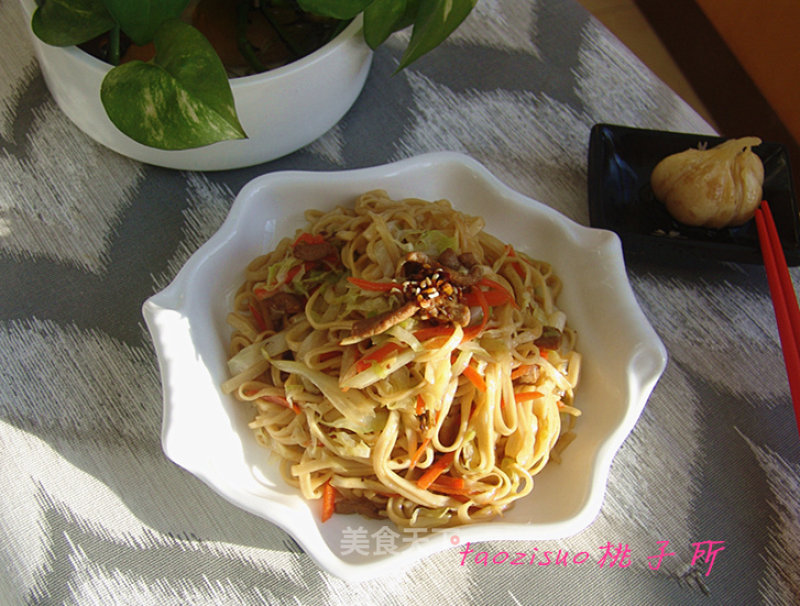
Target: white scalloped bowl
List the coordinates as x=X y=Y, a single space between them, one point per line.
x=206 y=432
x=281 y=110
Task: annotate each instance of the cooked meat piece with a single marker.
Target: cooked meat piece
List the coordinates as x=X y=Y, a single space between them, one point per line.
x=461 y=314
x=435 y=288
x=313 y=251
x=415 y=271
x=360 y=506
x=449 y=264
x=467 y=259
x=449 y=259
x=549 y=339
x=430 y=288
x=369 y=327
x=444 y=310
x=467 y=279
x=284 y=303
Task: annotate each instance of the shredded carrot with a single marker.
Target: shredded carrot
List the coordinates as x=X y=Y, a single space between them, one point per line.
x=420 y=404
x=377 y=355
x=418 y=453
x=495 y=295
x=329 y=355
x=425 y=334
x=451 y=481
x=475 y=378
x=328 y=501
x=332 y=259
x=494 y=298
x=516 y=264
x=290 y=275
x=473 y=331
x=499 y=288
x=435 y=470
x=527 y=395
x=259 y=319
x=459 y=494
x=520 y=370
x=308 y=238
x=374 y=286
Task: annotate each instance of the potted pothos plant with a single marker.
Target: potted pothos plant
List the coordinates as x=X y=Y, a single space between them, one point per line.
x=172 y=62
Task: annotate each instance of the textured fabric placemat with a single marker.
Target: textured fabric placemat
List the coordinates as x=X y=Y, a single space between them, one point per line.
x=91 y=512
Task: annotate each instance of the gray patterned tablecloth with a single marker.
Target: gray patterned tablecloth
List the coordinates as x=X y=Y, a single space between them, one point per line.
x=91 y=512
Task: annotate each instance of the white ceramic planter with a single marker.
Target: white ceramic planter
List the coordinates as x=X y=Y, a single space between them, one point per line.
x=281 y=110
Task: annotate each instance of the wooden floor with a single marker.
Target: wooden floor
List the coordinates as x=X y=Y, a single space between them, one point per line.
x=624 y=19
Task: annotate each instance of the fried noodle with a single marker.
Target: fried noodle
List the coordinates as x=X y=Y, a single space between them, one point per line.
x=401 y=355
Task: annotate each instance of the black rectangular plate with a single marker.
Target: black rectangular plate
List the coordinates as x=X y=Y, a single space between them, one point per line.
x=621 y=159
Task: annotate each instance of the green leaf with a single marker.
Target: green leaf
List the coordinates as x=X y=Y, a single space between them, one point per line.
x=382 y=18
x=140 y=19
x=338 y=9
x=412 y=6
x=180 y=100
x=69 y=22
x=435 y=21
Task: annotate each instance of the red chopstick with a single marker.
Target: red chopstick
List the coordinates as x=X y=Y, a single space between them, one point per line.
x=784 y=301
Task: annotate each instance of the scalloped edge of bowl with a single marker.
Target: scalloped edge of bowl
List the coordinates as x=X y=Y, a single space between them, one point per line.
x=644 y=368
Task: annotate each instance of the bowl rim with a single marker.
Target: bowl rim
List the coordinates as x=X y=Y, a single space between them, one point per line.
x=99 y=67
x=653 y=361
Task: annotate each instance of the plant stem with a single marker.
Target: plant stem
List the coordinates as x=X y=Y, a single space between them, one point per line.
x=286 y=39
x=242 y=43
x=113 y=45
